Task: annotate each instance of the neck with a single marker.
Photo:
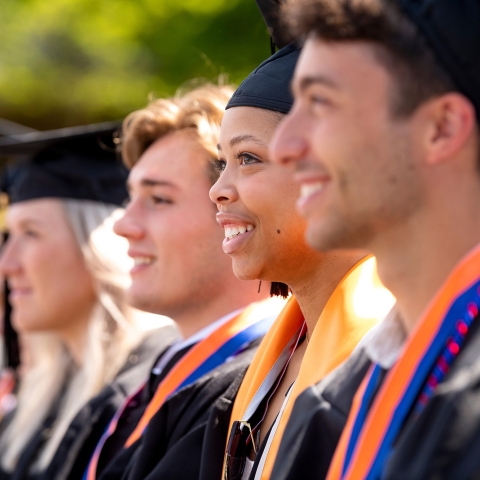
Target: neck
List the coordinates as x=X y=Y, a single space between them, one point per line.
x=314 y=287
x=192 y=319
x=74 y=337
x=414 y=259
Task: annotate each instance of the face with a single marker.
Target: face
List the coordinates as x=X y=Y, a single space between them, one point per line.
x=171 y=228
x=264 y=235
x=355 y=164
x=51 y=288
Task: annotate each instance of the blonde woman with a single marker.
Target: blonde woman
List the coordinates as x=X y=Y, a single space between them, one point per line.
x=67 y=273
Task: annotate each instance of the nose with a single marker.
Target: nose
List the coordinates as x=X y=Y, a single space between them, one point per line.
x=128 y=226
x=289 y=144
x=224 y=190
x=9 y=262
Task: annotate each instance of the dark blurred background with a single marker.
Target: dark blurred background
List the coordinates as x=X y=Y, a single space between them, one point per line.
x=73 y=62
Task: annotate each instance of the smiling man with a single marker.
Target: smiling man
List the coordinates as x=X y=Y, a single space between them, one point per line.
x=180 y=271
x=384 y=136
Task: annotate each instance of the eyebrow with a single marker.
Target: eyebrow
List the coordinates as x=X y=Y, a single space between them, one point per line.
x=244 y=138
x=304 y=82
x=149 y=182
x=26 y=222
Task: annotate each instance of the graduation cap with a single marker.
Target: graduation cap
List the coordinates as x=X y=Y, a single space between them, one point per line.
x=451 y=28
x=7 y=127
x=270 y=10
x=268 y=86
x=78 y=163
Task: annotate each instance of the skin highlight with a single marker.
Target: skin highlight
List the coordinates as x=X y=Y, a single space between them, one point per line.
x=400 y=187
x=40 y=249
x=181 y=270
x=253 y=191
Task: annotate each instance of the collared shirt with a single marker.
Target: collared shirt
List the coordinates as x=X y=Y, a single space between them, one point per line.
x=384 y=343
x=181 y=344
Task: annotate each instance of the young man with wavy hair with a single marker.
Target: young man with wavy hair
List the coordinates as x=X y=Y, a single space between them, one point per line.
x=180 y=271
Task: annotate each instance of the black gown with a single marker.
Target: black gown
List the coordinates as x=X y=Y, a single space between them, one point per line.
x=186 y=438
x=76 y=448
x=442 y=443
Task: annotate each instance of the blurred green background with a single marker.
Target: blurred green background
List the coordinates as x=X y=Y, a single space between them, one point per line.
x=72 y=62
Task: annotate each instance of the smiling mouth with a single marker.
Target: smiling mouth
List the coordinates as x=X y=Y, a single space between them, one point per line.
x=143 y=260
x=232 y=232
x=308 y=189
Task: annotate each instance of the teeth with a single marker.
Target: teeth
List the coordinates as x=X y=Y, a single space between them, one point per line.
x=231 y=232
x=308 y=189
x=143 y=260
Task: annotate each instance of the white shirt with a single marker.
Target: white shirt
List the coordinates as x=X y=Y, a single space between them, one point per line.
x=384 y=343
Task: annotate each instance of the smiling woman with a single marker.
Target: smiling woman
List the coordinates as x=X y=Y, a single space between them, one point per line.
x=264 y=236
x=67 y=274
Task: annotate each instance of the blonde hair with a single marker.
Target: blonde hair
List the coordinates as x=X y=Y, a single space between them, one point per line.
x=111 y=335
x=199 y=110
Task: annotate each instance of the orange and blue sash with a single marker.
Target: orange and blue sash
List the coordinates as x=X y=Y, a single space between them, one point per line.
x=369 y=435
x=226 y=341
x=7 y=388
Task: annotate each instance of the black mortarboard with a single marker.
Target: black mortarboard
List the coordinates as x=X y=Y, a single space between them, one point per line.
x=268 y=86
x=270 y=10
x=77 y=162
x=452 y=29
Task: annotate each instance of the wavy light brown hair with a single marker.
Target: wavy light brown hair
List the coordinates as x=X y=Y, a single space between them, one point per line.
x=199 y=110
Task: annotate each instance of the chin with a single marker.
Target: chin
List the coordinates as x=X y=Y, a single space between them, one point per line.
x=136 y=298
x=325 y=237
x=242 y=272
x=24 y=323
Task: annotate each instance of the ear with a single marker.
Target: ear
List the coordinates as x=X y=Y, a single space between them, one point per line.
x=452 y=122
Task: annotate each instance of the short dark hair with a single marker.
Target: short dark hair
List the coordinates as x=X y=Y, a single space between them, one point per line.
x=398 y=44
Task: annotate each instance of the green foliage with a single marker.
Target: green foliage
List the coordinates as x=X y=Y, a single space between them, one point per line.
x=70 y=62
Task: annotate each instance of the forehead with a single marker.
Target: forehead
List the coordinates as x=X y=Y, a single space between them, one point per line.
x=177 y=158
x=253 y=121
x=342 y=66
x=46 y=212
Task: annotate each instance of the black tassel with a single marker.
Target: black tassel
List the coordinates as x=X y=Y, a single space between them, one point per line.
x=12 y=349
x=279 y=289
x=273 y=47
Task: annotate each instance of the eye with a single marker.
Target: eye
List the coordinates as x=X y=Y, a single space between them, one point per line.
x=318 y=100
x=157 y=200
x=31 y=233
x=248 y=159
x=219 y=165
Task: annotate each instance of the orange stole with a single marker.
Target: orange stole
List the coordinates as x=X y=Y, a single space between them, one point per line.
x=465 y=273
x=199 y=353
x=346 y=318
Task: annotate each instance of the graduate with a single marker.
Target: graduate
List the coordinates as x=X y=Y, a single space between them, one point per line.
x=67 y=274
x=9 y=359
x=180 y=271
x=384 y=138
x=336 y=297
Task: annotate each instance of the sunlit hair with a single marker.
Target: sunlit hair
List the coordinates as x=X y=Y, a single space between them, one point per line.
x=199 y=110
x=112 y=333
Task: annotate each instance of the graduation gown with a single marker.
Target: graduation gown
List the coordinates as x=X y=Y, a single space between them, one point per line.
x=442 y=443
x=185 y=438
x=85 y=430
x=317 y=421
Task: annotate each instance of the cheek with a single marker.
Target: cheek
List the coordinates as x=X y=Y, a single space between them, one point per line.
x=61 y=282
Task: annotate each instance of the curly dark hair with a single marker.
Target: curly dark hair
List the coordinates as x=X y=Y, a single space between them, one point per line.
x=396 y=41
